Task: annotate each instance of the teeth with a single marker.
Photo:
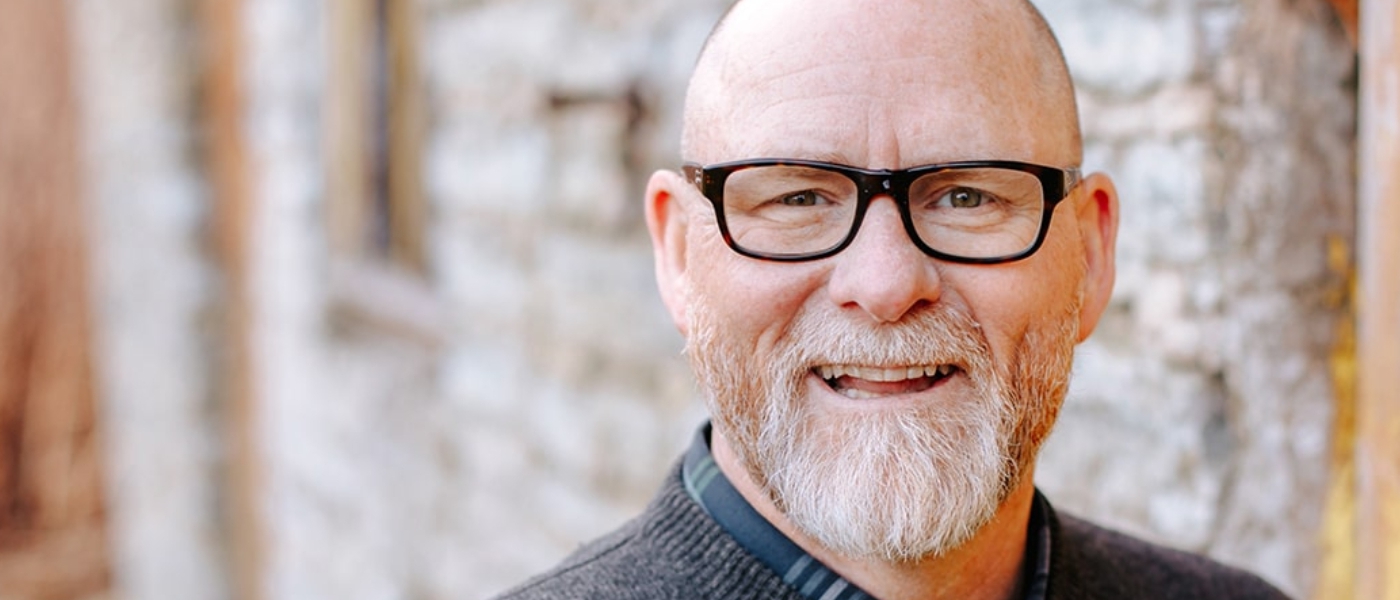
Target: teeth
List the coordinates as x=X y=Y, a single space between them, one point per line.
x=882 y=374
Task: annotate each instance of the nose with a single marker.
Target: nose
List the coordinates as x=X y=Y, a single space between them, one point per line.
x=882 y=272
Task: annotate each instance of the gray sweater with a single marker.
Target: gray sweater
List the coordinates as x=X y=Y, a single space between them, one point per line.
x=675 y=550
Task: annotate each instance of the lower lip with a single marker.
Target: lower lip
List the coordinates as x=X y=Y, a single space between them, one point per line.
x=819 y=385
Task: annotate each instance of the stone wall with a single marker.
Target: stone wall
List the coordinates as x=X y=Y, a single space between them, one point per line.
x=1201 y=411
x=152 y=294
x=550 y=397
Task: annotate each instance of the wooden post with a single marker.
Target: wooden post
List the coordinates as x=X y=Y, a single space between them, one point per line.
x=374 y=128
x=227 y=163
x=407 y=212
x=1378 y=305
x=348 y=126
x=52 y=524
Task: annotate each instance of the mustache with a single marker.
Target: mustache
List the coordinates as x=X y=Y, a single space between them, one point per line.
x=934 y=335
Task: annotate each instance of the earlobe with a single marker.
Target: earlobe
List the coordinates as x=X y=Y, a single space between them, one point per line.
x=667 y=222
x=1097 y=213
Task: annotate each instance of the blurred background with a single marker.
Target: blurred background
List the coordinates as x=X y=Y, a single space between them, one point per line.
x=352 y=299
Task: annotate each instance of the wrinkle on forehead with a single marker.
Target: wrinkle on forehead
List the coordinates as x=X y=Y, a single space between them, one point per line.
x=977 y=61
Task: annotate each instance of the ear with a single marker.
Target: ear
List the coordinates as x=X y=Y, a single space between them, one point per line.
x=1096 y=208
x=668 y=224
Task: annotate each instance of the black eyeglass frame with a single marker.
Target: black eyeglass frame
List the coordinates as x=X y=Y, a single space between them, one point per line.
x=1055 y=184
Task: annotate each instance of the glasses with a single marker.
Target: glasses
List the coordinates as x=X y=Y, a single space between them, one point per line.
x=981 y=212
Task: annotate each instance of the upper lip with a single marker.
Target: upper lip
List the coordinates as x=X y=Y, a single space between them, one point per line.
x=883 y=373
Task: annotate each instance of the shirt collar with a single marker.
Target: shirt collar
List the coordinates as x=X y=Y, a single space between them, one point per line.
x=708 y=486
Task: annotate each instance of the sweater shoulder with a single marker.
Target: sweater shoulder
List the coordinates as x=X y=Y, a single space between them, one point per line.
x=672 y=550
x=1092 y=562
x=613 y=566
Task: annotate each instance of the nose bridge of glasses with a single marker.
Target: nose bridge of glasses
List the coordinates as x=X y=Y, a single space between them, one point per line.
x=873 y=184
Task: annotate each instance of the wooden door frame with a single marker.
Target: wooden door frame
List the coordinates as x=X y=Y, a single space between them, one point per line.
x=1378 y=304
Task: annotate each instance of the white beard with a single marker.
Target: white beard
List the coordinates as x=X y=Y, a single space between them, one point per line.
x=892 y=485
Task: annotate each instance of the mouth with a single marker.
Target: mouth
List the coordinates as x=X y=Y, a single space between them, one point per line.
x=861 y=382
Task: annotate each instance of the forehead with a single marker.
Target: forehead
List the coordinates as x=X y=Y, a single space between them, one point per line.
x=880 y=84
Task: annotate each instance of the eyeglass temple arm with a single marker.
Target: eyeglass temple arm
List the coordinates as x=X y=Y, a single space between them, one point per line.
x=1073 y=177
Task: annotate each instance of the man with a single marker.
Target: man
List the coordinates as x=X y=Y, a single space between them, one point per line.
x=881 y=254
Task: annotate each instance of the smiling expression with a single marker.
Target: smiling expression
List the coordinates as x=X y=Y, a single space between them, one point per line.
x=927 y=370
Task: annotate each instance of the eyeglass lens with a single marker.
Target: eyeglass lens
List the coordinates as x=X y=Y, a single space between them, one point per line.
x=978 y=212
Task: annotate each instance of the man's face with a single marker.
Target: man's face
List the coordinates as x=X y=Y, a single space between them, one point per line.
x=886 y=401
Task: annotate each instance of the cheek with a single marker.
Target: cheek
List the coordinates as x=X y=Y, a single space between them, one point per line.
x=1008 y=300
x=752 y=301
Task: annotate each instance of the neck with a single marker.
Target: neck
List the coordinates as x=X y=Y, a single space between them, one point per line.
x=986 y=567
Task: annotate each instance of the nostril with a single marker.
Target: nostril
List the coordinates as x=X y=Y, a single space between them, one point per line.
x=919 y=305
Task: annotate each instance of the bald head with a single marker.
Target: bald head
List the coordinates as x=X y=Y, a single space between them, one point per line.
x=882 y=84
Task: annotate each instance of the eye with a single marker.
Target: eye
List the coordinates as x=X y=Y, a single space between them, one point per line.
x=803 y=198
x=965 y=198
